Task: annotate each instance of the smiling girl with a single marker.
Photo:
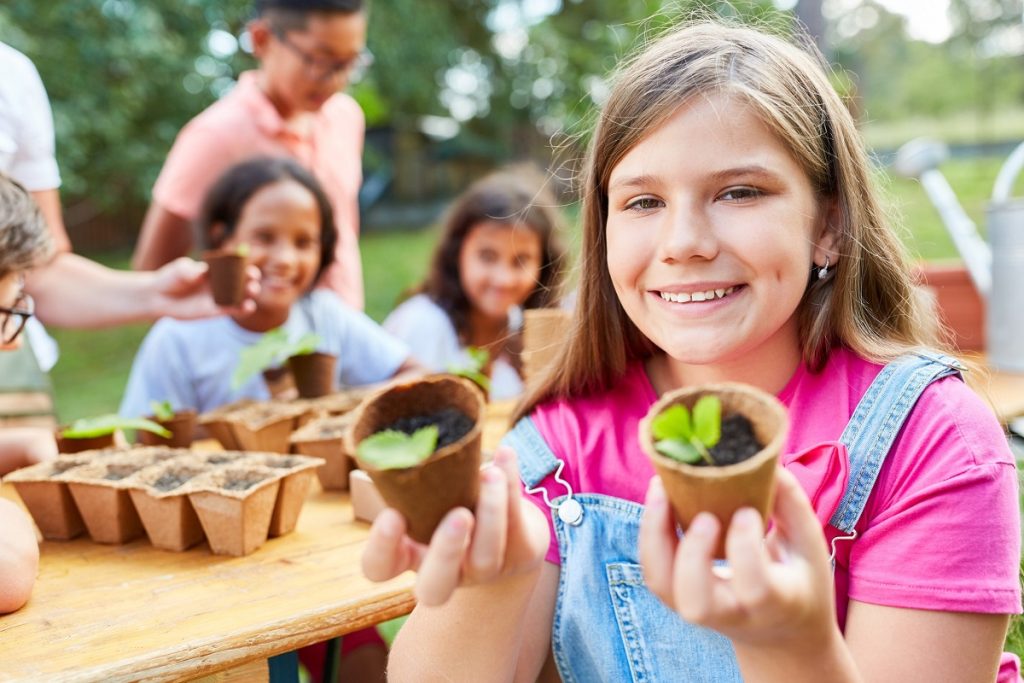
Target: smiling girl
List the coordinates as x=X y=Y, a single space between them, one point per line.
x=279 y=211
x=731 y=233
x=498 y=255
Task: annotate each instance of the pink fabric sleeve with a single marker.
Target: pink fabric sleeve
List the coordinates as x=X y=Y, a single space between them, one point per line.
x=953 y=545
x=199 y=156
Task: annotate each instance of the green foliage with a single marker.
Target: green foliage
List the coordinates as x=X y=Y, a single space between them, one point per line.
x=123 y=77
x=685 y=437
x=102 y=425
x=394 y=450
x=474 y=369
x=162 y=410
x=271 y=350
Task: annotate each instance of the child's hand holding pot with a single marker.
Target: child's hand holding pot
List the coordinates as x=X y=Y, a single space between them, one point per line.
x=507 y=536
x=775 y=600
x=181 y=289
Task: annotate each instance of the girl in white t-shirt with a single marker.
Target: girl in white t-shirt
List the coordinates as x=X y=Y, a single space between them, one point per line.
x=498 y=255
x=278 y=209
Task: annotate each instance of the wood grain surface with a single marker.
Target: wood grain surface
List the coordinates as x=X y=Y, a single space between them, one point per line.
x=132 y=612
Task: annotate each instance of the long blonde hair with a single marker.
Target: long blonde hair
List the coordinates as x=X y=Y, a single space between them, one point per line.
x=868 y=305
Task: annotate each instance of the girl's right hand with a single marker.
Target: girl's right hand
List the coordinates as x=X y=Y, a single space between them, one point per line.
x=507 y=537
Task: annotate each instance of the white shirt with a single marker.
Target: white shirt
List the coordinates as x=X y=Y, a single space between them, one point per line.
x=190 y=363
x=27 y=154
x=427 y=329
x=27 y=148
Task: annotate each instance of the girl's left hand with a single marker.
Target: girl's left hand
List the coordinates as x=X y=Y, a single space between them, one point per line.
x=779 y=595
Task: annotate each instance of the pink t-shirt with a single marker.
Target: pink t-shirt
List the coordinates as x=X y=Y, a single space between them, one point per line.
x=941 y=530
x=245 y=124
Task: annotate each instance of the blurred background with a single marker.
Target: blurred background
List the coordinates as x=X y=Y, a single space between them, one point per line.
x=460 y=86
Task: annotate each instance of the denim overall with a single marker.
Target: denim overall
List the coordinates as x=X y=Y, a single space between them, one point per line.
x=607 y=625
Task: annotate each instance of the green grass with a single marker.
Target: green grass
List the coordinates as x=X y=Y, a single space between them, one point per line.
x=968 y=127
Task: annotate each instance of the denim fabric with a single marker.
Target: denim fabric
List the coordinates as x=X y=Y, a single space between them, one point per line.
x=607 y=625
x=877 y=420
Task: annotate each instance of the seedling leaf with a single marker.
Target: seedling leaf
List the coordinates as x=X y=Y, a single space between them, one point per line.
x=677 y=435
x=707 y=420
x=272 y=349
x=102 y=425
x=162 y=410
x=392 y=449
x=678 y=450
x=673 y=423
x=473 y=370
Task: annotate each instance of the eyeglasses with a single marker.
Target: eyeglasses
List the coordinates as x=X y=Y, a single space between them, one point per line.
x=321 y=69
x=13 y=319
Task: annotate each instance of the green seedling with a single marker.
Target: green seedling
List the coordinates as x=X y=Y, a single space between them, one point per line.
x=474 y=369
x=101 y=425
x=162 y=410
x=685 y=437
x=271 y=350
x=242 y=250
x=394 y=450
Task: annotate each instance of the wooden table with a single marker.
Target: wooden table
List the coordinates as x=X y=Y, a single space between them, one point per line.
x=1004 y=391
x=112 y=613
x=132 y=612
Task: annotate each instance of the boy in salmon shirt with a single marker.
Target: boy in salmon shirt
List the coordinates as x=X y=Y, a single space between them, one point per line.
x=290 y=106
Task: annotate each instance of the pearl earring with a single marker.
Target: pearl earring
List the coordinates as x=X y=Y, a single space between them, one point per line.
x=823 y=271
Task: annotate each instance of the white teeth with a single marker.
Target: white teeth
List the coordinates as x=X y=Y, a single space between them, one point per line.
x=685 y=298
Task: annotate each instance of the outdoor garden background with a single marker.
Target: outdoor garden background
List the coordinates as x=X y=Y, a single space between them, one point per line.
x=460 y=86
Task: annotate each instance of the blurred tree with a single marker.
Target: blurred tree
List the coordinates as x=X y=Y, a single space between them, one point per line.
x=123 y=76
x=898 y=78
x=983 y=33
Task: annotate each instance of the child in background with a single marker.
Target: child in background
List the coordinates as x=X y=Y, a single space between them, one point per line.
x=292 y=105
x=498 y=255
x=24 y=244
x=278 y=209
x=731 y=232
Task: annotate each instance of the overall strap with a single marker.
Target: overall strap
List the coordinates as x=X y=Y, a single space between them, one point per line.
x=536 y=462
x=879 y=416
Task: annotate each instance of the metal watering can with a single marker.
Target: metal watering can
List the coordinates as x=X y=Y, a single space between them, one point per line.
x=996 y=267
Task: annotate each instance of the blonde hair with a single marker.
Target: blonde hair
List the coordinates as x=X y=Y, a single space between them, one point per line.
x=869 y=304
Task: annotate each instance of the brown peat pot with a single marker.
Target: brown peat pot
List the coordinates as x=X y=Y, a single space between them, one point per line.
x=721 y=490
x=182 y=427
x=449 y=478
x=313 y=373
x=227 y=276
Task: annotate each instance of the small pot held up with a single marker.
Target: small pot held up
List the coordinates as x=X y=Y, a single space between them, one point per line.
x=423 y=487
x=313 y=373
x=716 y=488
x=227 y=275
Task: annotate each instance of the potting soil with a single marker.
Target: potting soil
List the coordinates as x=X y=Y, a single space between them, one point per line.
x=738 y=442
x=170 y=481
x=117 y=472
x=452 y=424
x=241 y=483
